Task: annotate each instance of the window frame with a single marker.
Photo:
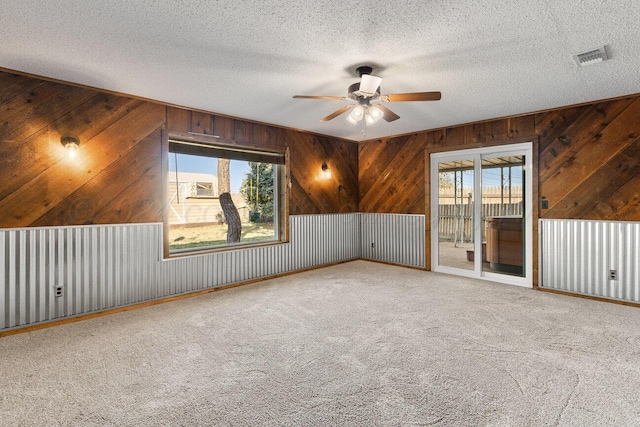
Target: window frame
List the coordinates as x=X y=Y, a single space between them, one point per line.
x=204 y=143
x=211 y=193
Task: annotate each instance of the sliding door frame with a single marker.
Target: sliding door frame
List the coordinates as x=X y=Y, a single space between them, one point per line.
x=525 y=149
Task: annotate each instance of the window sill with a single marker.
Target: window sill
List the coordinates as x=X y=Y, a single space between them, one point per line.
x=226 y=248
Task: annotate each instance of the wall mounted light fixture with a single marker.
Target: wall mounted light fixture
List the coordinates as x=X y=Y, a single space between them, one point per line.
x=326 y=172
x=71 y=143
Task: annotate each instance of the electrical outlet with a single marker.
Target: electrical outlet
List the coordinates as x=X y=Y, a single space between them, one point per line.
x=613 y=274
x=57 y=290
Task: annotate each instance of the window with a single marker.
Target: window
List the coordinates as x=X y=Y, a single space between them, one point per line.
x=205 y=189
x=221 y=196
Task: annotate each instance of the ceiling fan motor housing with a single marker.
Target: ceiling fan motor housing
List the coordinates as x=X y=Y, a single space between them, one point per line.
x=354 y=93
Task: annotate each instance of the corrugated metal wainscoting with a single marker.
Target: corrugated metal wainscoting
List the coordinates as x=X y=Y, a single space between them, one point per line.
x=103 y=267
x=398 y=239
x=599 y=258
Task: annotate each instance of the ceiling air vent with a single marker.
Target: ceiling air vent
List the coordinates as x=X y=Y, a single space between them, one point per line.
x=591 y=57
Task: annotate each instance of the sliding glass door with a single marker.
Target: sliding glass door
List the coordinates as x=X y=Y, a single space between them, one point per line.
x=455 y=213
x=481 y=209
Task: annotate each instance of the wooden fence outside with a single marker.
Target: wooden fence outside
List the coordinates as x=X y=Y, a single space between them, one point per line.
x=453 y=218
x=494 y=194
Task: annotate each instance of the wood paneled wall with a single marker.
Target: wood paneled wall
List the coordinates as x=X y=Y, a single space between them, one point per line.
x=116 y=176
x=589 y=165
x=588 y=161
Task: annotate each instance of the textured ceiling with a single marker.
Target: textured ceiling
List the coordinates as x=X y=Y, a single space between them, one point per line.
x=248 y=58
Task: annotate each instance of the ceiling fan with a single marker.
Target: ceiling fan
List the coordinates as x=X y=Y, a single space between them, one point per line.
x=366 y=100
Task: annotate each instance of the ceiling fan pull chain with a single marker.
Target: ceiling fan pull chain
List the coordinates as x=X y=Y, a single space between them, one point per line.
x=364 y=127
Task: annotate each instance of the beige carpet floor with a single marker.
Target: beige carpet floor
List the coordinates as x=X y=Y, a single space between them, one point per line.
x=359 y=344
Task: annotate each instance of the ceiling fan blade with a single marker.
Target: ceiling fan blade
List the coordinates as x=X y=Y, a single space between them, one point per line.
x=336 y=113
x=416 y=96
x=336 y=98
x=388 y=114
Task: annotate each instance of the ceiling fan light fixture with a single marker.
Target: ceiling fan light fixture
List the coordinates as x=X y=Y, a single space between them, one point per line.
x=375 y=112
x=370 y=120
x=356 y=115
x=369 y=84
x=352 y=120
x=372 y=116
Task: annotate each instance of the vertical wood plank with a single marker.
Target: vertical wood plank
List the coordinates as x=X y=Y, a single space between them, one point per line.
x=178 y=119
x=201 y=123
